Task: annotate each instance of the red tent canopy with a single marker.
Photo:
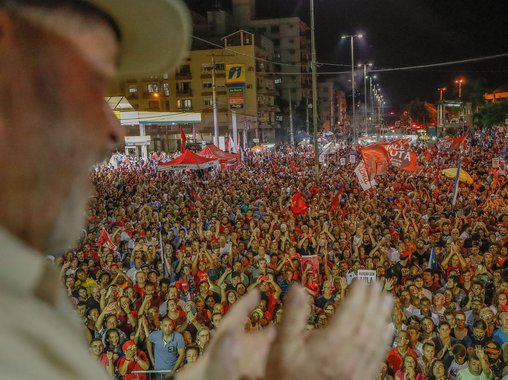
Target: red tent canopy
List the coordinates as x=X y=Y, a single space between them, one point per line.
x=188 y=160
x=226 y=159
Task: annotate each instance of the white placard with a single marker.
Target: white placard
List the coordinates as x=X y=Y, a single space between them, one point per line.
x=343 y=161
x=352 y=158
x=495 y=162
x=366 y=275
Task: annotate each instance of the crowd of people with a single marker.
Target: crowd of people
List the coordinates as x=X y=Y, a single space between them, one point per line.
x=164 y=256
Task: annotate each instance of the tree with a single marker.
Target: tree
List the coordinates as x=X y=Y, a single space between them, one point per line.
x=491 y=114
x=421 y=112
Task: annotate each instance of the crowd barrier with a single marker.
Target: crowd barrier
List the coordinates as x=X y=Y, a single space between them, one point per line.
x=153 y=374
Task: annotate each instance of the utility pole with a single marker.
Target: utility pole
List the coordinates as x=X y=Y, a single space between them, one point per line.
x=291 y=133
x=353 y=89
x=365 y=96
x=314 y=90
x=214 y=105
x=307 y=115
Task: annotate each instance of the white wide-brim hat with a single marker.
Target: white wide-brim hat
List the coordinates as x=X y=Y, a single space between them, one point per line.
x=155 y=34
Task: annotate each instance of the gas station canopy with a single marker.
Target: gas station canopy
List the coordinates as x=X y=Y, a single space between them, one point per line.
x=128 y=116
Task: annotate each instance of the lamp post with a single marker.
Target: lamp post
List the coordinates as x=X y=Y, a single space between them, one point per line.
x=459 y=83
x=365 y=94
x=441 y=91
x=440 y=110
x=314 y=90
x=352 y=37
x=372 y=96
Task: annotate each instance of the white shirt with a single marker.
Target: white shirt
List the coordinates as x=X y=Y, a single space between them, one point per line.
x=40 y=340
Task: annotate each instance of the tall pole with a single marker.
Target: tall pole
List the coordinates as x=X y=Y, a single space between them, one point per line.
x=307 y=115
x=214 y=105
x=314 y=90
x=234 y=149
x=371 y=98
x=291 y=133
x=353 y=88
x=365 y=95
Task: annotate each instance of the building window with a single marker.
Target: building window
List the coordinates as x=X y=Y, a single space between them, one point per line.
x=184 y=70
x=133 y=89
x=206 y=68
x=208 y=102
x=207 y=85
x=276 y=42
x=292 y=51
x=153 y=105
x=184 y=104
x=275 y=29
x=165 y=88
x=220 y=67
x=153 y=87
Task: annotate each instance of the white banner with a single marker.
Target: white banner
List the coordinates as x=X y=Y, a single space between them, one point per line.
x=363 y=177
x=366 y=275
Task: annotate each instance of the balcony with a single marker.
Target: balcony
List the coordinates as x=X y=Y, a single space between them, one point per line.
x=184 y=93
x=183 y=76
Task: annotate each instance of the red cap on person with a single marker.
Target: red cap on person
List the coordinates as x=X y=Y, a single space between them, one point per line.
x=128 y=344
x=405 y=254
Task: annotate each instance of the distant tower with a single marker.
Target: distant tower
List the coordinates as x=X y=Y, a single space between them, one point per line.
x=243 y=12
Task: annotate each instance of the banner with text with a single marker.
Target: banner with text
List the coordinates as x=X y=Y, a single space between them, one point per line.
x=363 y=177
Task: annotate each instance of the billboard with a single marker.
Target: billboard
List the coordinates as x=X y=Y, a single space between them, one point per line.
x=235 y=75
x=235 y=82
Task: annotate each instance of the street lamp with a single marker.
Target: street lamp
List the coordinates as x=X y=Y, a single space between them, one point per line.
x=441 y=91
x=352 y=37
x=459 y=83
x=440 y=110
x=314 y=89
x=365 y=92
x=372 y=96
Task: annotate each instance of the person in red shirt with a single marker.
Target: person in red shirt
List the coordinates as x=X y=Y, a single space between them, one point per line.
x=395 y=356
x=134 y=360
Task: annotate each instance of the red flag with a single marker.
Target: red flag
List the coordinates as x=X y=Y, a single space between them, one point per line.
x=184 y=139
x=376 y=159
x=298 y=205
x=401 y=155
x=227 y=145
x=452 y=143
x=334 y=205
x=104 y=239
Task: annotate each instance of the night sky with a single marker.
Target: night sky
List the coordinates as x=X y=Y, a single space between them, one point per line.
x=406 y=33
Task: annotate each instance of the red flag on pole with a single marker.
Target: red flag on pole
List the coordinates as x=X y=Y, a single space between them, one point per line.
x=104 y=239
x=184 y=139
x=376 y=160
x=451 y=143
x=298 y=205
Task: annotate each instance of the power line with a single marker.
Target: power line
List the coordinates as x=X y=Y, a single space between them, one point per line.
x=246 y=55
x=449 y=63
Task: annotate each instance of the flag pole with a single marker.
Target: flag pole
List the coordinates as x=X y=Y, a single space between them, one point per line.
x=457 y=176
x=163 y=259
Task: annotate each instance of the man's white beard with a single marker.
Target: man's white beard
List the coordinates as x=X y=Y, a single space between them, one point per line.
x=70 y=221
